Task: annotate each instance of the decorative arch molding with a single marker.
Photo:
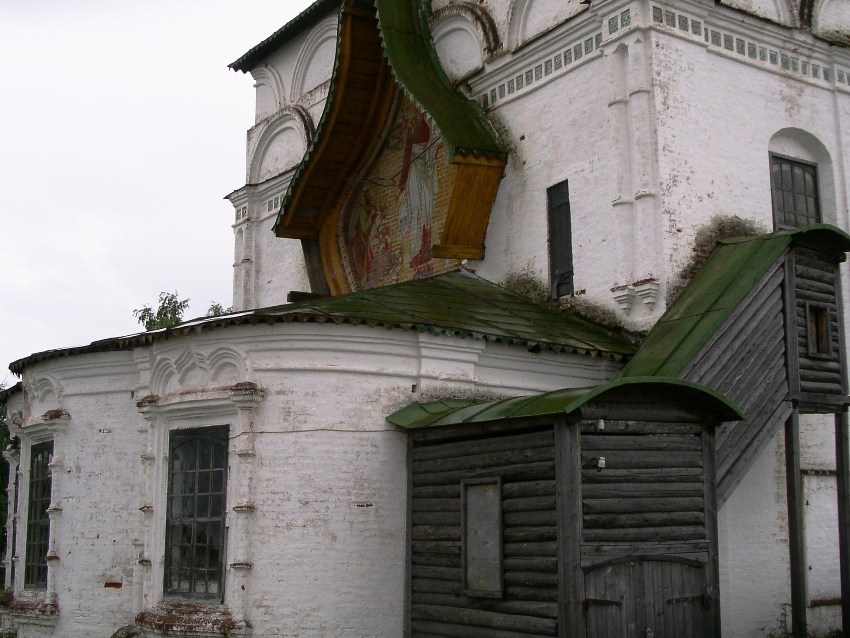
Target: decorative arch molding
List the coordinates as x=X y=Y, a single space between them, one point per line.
x=528 y=18
x=831 y=20
x=462 y=27
x=783 y=12
x=271 y=93
x=293 y=120
x=193 y=369
x=386 y=47
x=44 y=394
x=799 y=144
x=323 y=33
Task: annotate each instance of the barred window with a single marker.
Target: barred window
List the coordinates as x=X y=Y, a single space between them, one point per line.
x=794 y=192
x=194 y=543
x=38 y=521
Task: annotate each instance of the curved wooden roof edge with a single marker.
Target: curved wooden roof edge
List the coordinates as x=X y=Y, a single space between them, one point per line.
x=381 y=47
x=359 y=104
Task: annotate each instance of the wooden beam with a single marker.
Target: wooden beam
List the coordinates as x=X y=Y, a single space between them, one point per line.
x=711 y=532
x=796 y=539
x=568 y=495
x=842 y=462
x=789 y=295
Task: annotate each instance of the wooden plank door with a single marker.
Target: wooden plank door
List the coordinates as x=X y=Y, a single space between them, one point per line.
x=660 y=597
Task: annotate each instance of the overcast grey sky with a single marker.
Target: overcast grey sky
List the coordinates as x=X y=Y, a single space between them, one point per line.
x=121 y=129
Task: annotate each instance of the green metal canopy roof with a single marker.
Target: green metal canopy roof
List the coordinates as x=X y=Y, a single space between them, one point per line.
x=720 y=285
x=407 y=42
x=458 y=304
x=458 y=412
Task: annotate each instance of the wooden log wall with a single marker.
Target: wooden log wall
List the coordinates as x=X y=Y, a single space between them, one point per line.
x=650 y=493
x=816 y=275
x=525 y=463
x=746 y=362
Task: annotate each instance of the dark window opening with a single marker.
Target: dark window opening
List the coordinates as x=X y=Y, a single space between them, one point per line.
x=38 y=520
x=194 y=537
x=560 y=239
x=794 y=193
x=818 y=329
x=481 y=514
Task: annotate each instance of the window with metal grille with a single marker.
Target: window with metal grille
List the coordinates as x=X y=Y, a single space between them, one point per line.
x=560 y=239
x=194 y=538
x=38 y=521
x=794 y=192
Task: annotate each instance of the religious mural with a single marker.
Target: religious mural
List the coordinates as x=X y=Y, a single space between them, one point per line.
x=386 y=231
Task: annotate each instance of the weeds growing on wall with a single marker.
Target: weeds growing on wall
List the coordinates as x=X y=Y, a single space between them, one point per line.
x=705 y=239
x=526 y=284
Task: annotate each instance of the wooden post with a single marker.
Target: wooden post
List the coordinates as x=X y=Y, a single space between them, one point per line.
x=710 y=483
x=568 y=495
x=796 y=540
x=842 y=463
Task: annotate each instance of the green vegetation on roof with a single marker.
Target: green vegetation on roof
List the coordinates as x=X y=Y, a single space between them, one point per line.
x=461 y=303
x=458 y=304
x=723 y=282
x=407 y=42
x=566 y=401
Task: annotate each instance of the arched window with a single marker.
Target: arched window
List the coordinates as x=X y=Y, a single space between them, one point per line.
x=794 y=192
x=801 y=180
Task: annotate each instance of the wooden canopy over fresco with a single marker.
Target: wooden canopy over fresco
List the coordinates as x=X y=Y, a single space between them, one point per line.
x=385 y=61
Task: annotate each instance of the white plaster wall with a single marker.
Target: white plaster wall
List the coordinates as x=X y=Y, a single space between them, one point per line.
x=820 y=501
x=753 y=536
x=716 y=119
x=657 y=132
x=672 y=129
x=291 y=91
x=98 y=492
x=330 y=480
x=327 y=539
x=545 y=149
x=753 y=529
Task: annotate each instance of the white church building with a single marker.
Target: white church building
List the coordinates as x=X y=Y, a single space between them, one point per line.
x=538 y=330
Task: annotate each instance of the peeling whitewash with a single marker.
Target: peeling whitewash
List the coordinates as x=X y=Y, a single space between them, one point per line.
x=311 y=455
x=661 y=116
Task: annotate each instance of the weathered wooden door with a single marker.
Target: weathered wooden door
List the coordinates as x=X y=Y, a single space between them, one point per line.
x=661 y=597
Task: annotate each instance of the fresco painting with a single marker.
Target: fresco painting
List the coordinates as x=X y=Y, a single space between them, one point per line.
x=386 y=233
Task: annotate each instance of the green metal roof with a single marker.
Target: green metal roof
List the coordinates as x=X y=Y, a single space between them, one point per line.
x=461 y=303
x=457 y=412
x=409 y=48
x=720 y=285
x=457 y=303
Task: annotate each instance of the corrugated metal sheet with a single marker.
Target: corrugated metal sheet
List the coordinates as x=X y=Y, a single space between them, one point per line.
x=457 y=304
